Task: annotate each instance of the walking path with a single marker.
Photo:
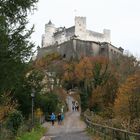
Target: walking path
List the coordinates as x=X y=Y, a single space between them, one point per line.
x=71 y=129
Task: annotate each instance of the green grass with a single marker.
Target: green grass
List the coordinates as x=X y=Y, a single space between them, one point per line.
x=35 y=134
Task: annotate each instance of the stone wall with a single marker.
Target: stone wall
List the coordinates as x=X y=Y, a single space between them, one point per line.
x=114 y=52
x=76 y=48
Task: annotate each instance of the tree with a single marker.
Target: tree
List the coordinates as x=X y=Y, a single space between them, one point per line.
x=15 y=119
x=69 y=77
x=15 y=47
x=33 y=80
x=101 y=71
x=7 y=105
x=127 y=103
x=83 y=73
x=124 y=66
x=103 y=97
x=48 y=59
x=48 y=103
x=52 y=66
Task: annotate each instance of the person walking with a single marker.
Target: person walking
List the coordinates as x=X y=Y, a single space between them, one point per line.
x=77 y=107
x=59 y=118
x=73 y=108
x=73 y=105
x=62 y=118
x=52 y=118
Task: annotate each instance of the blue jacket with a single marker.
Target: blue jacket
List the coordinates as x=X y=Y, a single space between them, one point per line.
x=52 y=117
x=62 y=117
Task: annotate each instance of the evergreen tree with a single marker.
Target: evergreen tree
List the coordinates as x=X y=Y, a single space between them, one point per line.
x=15 y=47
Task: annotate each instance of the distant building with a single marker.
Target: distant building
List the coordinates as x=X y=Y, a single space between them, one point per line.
x=77 y=41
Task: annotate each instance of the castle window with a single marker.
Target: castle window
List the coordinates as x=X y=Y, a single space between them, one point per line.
x=102 y=50
x=64 y=55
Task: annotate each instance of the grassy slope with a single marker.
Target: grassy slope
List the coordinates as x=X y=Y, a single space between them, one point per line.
x=33 y=135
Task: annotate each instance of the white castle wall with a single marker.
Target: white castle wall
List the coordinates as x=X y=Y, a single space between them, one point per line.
x=60 y=38
x=47 y=40
x=82 y=33
x=98 y=37
x=59 y=35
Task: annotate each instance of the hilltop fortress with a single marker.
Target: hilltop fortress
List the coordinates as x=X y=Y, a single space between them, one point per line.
x=77 y=41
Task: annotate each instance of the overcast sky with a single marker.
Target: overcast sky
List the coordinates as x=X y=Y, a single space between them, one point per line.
x=122 y=17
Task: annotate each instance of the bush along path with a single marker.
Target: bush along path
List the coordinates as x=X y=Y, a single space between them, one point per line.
x=73 y=128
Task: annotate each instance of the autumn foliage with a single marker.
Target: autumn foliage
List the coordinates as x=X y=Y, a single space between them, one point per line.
x=127 y=103
x=7 y=105
x=109 y=88
x=84 y=69
x=115 y=93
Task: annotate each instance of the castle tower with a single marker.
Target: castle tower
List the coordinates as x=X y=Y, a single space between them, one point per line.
x=80 y=27
x=107 y=35
x=50 y=28
x=47 y=38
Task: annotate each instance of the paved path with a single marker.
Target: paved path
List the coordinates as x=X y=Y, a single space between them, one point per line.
x=72 y=136
x=72 y=129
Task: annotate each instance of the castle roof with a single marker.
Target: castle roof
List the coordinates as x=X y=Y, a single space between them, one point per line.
x=49 y=22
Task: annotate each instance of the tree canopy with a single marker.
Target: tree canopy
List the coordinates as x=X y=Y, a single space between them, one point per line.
x=15 y=46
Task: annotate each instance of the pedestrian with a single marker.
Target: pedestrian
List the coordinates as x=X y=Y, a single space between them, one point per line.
x=59 y=118
x=73 y=107
x=62 y=118
x=77 y=107
x=52 y=118
x=73 y=102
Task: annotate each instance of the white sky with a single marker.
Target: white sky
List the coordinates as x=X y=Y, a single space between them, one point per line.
x=122 y=17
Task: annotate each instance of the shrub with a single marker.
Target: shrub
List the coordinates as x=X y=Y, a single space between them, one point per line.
x=35 y=134
x=6 y=134
x=14 y=121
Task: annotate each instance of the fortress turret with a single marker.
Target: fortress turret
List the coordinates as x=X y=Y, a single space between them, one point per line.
x=107 y=33
x=47 y=38
x=50 y=28
x=80 y=27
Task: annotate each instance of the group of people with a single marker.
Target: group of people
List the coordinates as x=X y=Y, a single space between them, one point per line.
x=75 y=106
x=60 y=118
